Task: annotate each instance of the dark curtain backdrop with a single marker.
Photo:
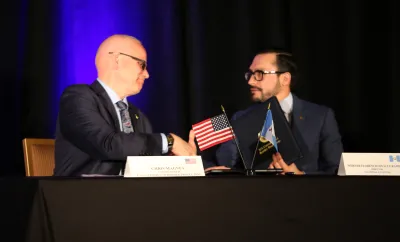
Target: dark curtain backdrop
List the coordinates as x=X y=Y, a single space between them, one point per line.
x=198 y=52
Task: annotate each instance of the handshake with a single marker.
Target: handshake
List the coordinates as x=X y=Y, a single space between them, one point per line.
x=183 y=148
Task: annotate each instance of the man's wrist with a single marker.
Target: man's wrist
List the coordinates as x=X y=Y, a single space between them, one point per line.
x=170 y=142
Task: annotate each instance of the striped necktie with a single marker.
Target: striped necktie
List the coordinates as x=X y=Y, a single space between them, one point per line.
x=125 y=118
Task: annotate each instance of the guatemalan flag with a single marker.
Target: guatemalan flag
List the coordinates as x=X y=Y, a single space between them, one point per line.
x=268 y=131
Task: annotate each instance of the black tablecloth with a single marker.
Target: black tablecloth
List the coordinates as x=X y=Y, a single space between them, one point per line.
x=200 y=209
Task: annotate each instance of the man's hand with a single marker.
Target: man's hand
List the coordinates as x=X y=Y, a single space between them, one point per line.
x=279 y=163
x=183 y=148
x=217 y=168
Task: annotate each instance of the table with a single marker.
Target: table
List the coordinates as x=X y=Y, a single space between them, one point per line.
x=275 y=208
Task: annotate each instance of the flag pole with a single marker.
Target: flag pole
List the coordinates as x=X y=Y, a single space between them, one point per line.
x=234 y=138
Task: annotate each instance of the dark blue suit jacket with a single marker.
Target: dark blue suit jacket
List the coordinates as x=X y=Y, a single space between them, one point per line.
x=316 y=131
x=88 y=136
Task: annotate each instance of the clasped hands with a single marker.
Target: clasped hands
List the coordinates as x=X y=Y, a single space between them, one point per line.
x=277 y=163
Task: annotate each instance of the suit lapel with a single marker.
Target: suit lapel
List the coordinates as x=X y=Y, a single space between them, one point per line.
x=135 y=118
x=298 y=116
x=105 y=99
x=300 y=125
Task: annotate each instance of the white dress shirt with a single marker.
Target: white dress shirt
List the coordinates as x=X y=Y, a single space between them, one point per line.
x=287 y=106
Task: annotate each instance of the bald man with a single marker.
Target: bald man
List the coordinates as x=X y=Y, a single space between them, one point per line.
x=97 y=128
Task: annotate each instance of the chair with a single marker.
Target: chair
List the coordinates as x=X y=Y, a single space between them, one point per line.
x=38 y=156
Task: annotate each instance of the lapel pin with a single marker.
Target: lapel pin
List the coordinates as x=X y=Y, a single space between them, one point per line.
x=301 y=118
x=137 y=117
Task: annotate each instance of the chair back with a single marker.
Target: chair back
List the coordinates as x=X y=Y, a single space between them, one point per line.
x=39 y=156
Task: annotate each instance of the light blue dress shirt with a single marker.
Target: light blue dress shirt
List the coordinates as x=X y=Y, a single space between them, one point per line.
x=287 y=106
x=114 y=99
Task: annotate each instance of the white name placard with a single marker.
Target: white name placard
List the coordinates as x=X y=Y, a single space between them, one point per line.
x=369 y=164
x=164 y=166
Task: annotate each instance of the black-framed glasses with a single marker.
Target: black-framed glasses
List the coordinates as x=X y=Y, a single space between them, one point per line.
x=259 y=74
x=142 y=63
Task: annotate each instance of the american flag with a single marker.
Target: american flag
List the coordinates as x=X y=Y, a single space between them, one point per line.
x=212 y=131
x=190 y=161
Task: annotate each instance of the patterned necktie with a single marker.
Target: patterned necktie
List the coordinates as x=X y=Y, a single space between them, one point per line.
x=125 y=118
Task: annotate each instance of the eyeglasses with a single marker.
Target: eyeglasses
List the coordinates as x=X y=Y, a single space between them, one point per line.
x=142 y=63
x=259 y=74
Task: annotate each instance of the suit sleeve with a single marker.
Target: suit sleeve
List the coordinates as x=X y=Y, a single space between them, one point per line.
x=146 y=123
x=331 y=147
x=83 y=125
x=148 y=129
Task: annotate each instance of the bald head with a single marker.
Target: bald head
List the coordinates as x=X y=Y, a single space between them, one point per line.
x=116 y=43
x=121 y=64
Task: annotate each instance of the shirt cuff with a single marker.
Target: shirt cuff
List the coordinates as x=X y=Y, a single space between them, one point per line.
x=164 y=144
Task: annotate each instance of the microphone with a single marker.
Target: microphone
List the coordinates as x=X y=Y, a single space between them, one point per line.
x=234 y=138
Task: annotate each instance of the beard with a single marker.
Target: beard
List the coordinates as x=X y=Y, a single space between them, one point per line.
x=265 y=95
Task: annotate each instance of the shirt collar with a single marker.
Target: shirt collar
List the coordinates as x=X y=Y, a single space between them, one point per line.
x=111 y=93
x=287 y=104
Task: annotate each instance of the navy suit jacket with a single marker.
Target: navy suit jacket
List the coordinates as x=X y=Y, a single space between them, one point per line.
x=316 y=131
x=88 y=135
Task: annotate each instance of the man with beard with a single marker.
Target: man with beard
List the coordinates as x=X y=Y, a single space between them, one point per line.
x=314 y=126
x=97 y=128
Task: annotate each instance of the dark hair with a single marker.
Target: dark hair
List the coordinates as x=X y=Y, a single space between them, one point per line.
x=284 y=61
